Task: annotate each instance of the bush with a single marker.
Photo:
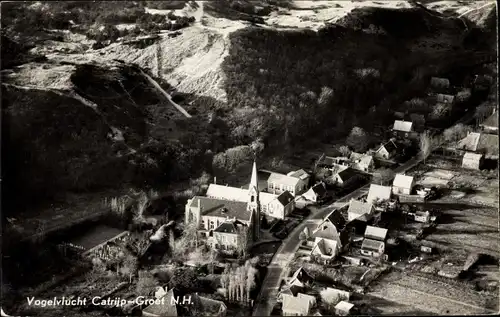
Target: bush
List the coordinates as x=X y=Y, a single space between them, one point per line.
x=358 y=139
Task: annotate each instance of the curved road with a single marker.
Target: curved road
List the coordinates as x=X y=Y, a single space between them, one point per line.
x=278 y=268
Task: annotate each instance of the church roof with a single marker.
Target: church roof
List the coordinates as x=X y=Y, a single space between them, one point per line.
x=222 y=208
x=236 y=194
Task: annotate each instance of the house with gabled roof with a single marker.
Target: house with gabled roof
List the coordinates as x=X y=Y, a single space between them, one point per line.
x=299 y=305
x=483 y=143
x=360 y=210
x=387 y=151
x=362 y=162
x=375 y=233
x=325 y=249
x=378 y=193
x=491 y=123
x=402 y=184
x=330 y=229
x=316 y=193
x=445 y=98
x=472 y=160
x=346 y=177
x=343 y=308
x=166 y=306
x=372 y=247
x=279 y=183
x=300 y=277
x=301 y=174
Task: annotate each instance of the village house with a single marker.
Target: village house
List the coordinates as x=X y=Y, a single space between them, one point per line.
x=422 y=216
x=279 y=183
x=334 y=292
x=166 y=307
x=491 y=123
x=299 y=305
x=403 y=129
x=402 y=184
x=329 y=234
x=472 y=161
x=325 y=250
x=440 y=84
x=295 y=284
x=374 y=242
x=276 y=206
x=387 y=151
x=343 y=308
x=346 y=177
x=359 y=210
x=302 y=175
x=482 y=143
x=362 y=162
x=316 y=193
x=228 y=236
x=378 y=193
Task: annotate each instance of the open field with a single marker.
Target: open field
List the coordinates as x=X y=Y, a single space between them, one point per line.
x=432 y=296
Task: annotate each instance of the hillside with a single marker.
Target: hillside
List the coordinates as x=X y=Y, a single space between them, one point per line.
x=81 y=118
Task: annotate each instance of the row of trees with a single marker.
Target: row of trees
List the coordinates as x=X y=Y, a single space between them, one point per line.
x=240 y=281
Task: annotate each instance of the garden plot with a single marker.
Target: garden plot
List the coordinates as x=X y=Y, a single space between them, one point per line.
x=437 y=177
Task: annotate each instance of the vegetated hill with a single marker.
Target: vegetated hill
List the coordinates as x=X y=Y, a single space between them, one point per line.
x=88 y=128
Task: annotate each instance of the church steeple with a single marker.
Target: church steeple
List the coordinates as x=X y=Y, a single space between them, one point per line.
x=253 y=204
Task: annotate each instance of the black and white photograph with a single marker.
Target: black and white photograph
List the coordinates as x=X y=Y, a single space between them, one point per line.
x=249 y=158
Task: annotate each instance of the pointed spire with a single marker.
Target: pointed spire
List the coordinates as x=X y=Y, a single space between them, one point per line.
x=253 y=180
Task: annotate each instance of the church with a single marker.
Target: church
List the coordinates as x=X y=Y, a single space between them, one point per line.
x=227 y=214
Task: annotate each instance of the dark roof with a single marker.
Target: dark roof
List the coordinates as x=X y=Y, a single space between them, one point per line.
x=95 y=236
x=390 y=146
x=301 y=275
x=222 y=208
x=285 y=198
x=229 y=227
x=319 y=189
x=348 y=173
x=336 y=218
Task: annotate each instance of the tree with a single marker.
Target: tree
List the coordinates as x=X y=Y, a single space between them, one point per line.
x=243 y=241
x=384 y=175
x=145 y=284
x=455 y=132
x=130 y=266
x=482 y=111
x=190 y=234
x=345 y=151
x=426 y=144
x=357 y=139
x=184 y=279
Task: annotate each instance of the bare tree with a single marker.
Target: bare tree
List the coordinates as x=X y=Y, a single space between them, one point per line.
x=190 y=234
x=250 y=278
x=426 y=144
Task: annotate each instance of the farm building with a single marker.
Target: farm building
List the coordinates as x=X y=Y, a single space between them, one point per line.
x=387 y=151
x=491 y=123
x=402 y=184
x=472 y=161
x=359 y=210
x=343 y=308
x=379 y=193
x=440 y=83
x=316 y=193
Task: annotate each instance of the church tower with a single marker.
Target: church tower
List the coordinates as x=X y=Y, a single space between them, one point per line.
x=253 y=204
